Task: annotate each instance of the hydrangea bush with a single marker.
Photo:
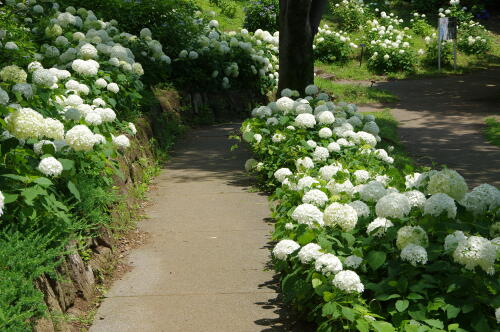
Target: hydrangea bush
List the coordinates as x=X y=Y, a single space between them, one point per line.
x=332 y=46
x=70 y=87
x=364 y=244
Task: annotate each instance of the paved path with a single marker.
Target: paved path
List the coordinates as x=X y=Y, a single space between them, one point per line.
x=442 y=119
x=203 y=267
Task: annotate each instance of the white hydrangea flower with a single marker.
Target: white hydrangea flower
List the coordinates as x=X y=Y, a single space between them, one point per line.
x=361 y=208
x=44 y=78
x=286 y=92
x=121 y=141
x=80 y=138
x=132 y=128
x=311 y=143
x=87 y=51
x=325 y=133
x=285 y=248
x=50 y=166
x=439 y=203
x=353 y=261
x=328 y=263
x=361 y=175
x=282 y=173
x=451 y=241
x=308 y=214
x=53 y=129
x=301 y=108
x=311 y=90
x=372 y=191
x=416 y=198
x=99 y=139
x=372 y=128
x=320 y=154
x=411 y=234
x=25 y=123
x=393 y=205
x=257 y=137
x=4 y=97
x=326 y=118
x=85 y=67
x=348 y=281
x=379 y=224
x=305 y=162
x=310 y=252
x=448 y=182
x=476 y=251
x=482 y=198
x=113 y=87
x=338 y=188
x=93 y=118
x=343 y=215
x=414 y=254
x=497 y=310
x=328 y=172
x=305 y=120
x=285 y=105
x=306 y=182
x=413 y=180
x=315 y=197
x=289 y=226
x=333 y=147
x=38 y=147
x=101 y=83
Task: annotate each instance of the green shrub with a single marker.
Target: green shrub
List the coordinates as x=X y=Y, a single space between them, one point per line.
x=431 y=54
x=262 y=14
x=350 y=14
x=388 y=249
x=23 y=258
x=473 y=38
x=331 y=46
x=419 y=25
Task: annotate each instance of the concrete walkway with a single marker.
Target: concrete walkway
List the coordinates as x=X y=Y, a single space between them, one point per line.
x=441 y=121
x=203 y=268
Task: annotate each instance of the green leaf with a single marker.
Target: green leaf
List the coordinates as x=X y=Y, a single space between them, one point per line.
x=452 y=311
x=306 y=237
x=67 y=164
x=349 y=238
x=72 y=189
x=453 y=327
x=434 y=323
x=362 y=325
x=44 y=182
x=376 y=259
x=385 y=297
x=402 y=305
x=414 y=296
x=330 y=309
x=16 y=177
x=9 y=198
x=418 y=315
x=31 y=193
x=383 y=327
x=348 y=313
x=316 y=283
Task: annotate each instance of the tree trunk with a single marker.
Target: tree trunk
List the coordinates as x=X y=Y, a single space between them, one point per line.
x=299 y=22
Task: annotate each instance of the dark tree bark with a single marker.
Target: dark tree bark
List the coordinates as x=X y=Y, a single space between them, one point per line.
x=299 y=22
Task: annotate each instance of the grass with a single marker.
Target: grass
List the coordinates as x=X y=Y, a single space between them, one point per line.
x=492 y=131
x=226 y=23
x=355 y=93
